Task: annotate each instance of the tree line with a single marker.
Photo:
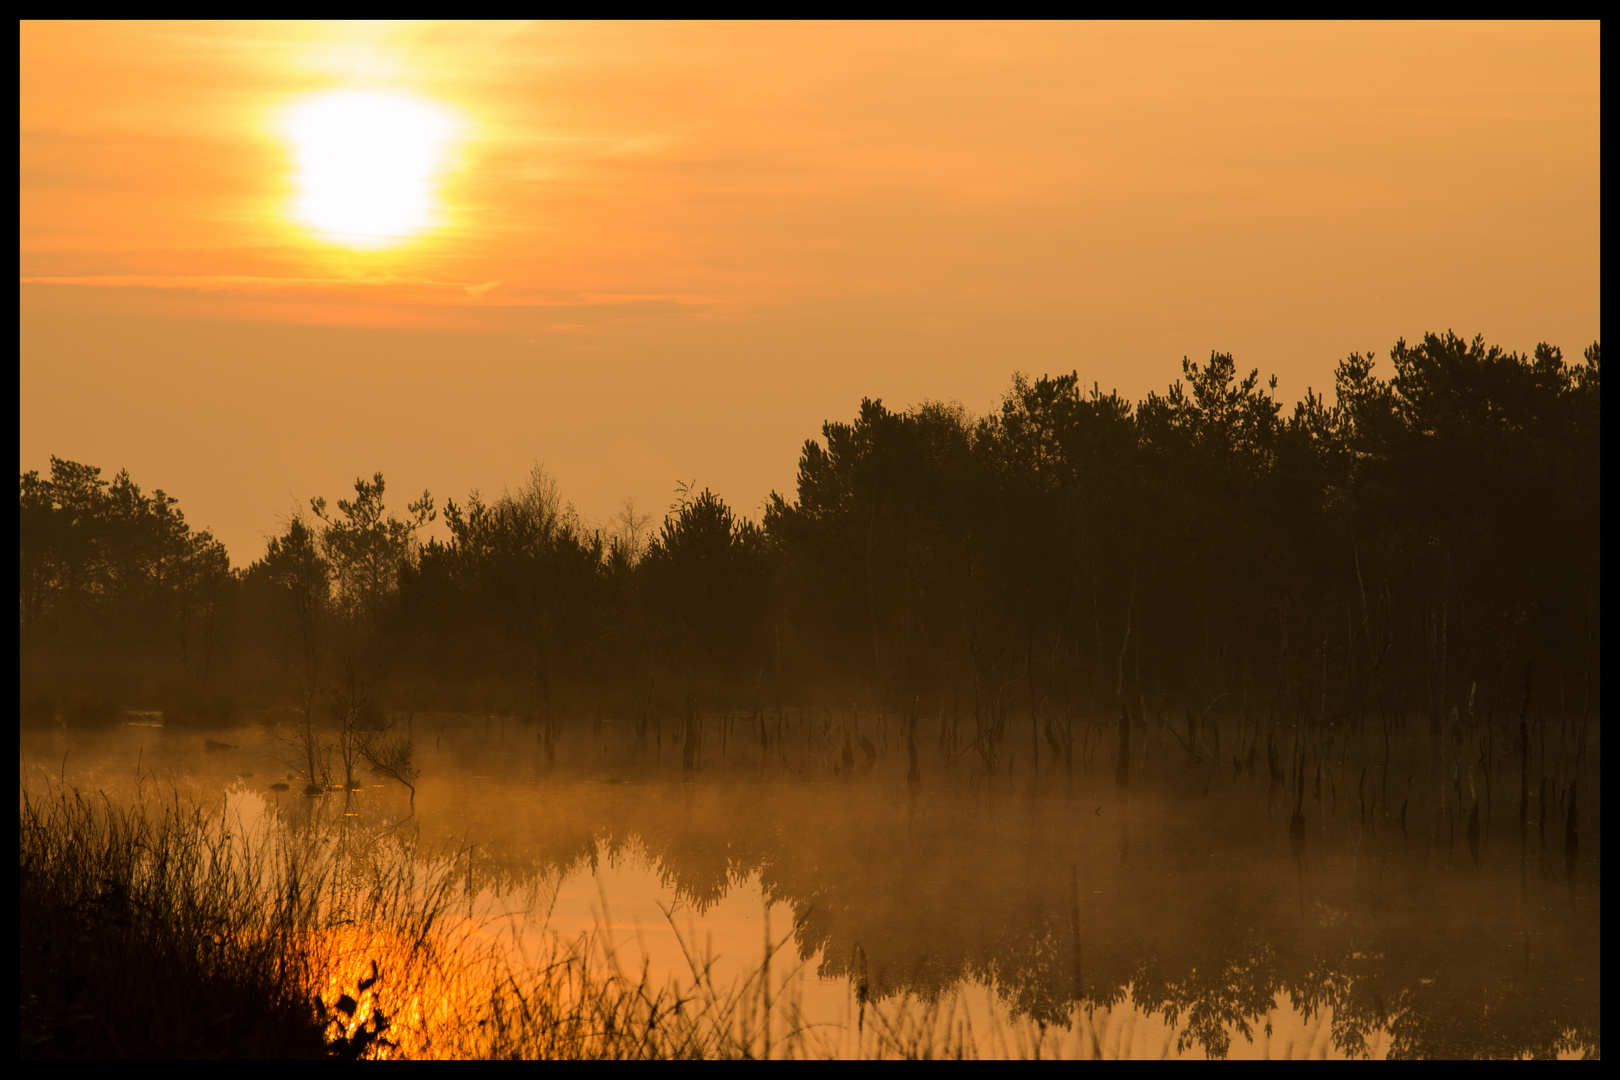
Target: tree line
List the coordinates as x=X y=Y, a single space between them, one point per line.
x=1422 y=543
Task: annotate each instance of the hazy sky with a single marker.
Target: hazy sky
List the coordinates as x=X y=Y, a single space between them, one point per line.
x=669 y=252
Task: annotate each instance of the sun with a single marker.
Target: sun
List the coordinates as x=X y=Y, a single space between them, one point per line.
x=367 y=163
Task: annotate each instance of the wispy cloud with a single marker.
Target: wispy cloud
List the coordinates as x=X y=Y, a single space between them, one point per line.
x=420 y=290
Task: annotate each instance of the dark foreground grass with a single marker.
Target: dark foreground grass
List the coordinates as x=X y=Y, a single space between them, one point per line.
x=159 y=930
x=153 y=933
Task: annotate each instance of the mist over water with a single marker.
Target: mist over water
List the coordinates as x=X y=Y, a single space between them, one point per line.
x=607 y=542
x=1082 y=728
x=1063 y=913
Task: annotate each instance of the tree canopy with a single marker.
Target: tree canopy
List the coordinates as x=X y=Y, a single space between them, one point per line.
x=1406 y=543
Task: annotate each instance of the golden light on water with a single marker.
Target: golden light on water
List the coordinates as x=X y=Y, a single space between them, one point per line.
x=367 y=165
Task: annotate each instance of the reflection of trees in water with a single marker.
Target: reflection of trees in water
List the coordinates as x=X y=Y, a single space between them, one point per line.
x=700 y=870
x=964 y=888
x=1071 y=562
x=1208 y=923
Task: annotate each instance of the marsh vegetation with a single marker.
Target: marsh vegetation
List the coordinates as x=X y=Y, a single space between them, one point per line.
x=1013 y=732
x=1041 y=911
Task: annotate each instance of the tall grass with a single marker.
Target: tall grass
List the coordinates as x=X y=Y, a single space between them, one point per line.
x=156 y=932
x=162 y=930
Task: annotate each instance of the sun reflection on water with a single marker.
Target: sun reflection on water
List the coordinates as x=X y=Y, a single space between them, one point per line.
x=562 y=900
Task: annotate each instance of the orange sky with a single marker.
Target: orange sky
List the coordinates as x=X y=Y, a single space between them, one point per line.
x=669 y=252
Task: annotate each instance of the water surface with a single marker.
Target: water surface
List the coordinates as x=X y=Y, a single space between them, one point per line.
x=1046 y=911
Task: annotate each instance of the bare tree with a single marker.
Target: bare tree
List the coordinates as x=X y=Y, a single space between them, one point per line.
x=630 y=533
x=390 y=754
x=302 y=583
x=366 y=548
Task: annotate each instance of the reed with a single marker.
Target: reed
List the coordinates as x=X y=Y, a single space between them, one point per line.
x=154 y=932
x=161 y=930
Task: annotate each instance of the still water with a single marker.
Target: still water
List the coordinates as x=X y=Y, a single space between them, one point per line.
x=1025 y=910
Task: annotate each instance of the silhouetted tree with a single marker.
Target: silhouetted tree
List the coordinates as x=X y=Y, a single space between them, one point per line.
x=1387 y=548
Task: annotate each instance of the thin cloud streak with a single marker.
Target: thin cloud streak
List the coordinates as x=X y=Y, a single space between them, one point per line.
x=424 y=289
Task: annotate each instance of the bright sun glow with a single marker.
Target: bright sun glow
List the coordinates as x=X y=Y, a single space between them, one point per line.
x=367 y=164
